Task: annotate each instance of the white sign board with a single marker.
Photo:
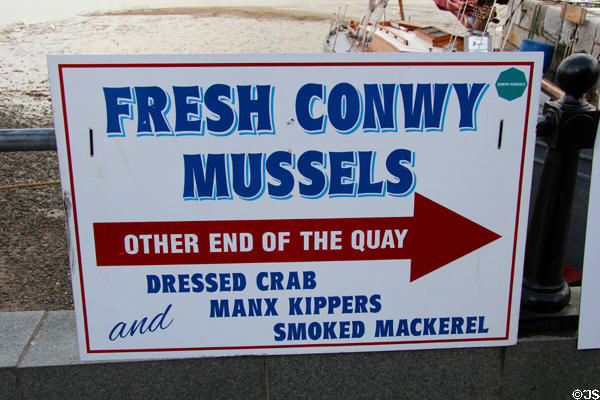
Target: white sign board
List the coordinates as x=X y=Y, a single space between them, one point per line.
x=229 y=205
x=589 y=314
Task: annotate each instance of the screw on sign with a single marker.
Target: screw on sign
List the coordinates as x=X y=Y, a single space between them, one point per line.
x=511 y=84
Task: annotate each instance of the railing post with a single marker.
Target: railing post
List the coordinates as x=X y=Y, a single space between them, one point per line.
x=567 y=126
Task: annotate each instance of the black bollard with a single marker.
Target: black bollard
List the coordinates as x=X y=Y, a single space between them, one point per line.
x=567 y=126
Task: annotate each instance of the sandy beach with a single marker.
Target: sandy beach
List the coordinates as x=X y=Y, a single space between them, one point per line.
x=34 y=266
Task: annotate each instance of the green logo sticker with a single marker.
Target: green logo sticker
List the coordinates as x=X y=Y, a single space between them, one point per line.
x=511 y=84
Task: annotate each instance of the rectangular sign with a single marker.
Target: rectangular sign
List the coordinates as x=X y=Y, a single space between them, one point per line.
x=589 y=317
x=230 y=205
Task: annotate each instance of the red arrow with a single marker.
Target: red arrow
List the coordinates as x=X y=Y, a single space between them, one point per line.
x=435 y=236
x=442 y=236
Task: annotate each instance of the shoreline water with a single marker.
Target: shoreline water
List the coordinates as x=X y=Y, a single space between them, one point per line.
x=38 y=11
x=230 y=26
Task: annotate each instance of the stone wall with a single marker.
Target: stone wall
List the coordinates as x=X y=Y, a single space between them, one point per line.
x=541 y=21
x=39 y=360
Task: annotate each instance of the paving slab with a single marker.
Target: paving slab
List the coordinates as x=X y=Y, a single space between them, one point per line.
x=55 y=343
x=424 y=374
x=52 y=370
x=16 y=329
x=549 y=368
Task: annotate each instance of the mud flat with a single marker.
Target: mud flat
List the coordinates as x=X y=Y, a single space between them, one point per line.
x=34 y=265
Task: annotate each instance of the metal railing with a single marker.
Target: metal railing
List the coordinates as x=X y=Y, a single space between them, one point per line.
x=27 y=139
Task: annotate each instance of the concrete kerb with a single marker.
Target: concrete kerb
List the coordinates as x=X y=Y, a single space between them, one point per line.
x=45 y=364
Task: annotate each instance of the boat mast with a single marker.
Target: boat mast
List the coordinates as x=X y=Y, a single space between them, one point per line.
x=401 y=7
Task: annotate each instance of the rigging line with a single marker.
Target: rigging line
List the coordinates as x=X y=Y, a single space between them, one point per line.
x=461 y=17
x=487 y=23
x=26 y=185
x=511 y=19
